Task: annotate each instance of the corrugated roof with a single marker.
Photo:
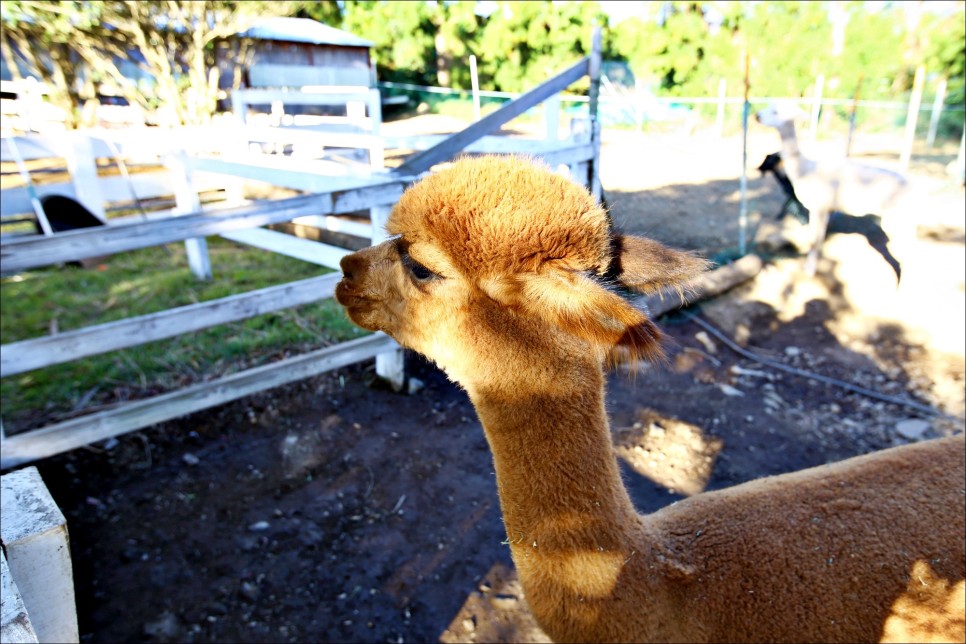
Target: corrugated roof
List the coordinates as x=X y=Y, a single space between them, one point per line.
x=303 y=30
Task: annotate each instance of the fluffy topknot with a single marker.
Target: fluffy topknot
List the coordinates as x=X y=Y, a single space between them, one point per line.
x=504 y=215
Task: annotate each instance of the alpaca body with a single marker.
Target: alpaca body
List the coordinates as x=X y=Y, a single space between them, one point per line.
x=821 y=555
x=823 y=187
x=499 y=271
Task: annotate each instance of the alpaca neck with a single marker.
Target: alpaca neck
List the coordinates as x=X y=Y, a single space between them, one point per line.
x=791 y=153
x=570 y=523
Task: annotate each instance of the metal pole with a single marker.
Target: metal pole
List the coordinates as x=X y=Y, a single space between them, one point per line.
x=476 y=88
x=816 y=107
x=961 y=159
x=852 y=113
x=743 y=207
x=912 y=117
x=937 y=110
x=593 y=70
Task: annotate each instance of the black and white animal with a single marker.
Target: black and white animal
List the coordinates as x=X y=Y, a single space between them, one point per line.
x=869 y=226
x=823 y=187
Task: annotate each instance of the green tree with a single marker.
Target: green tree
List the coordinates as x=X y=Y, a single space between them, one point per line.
x=945 y=55
x=403 y=36
x=524 y=43
x=327 y=12
x=456 y=26
x=38 y=39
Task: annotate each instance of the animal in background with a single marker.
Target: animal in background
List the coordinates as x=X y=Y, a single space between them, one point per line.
x=505 y=274
x=869 y=226
x=826 y=186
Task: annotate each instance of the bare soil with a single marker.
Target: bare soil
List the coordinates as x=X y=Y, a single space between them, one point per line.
x=336 y=510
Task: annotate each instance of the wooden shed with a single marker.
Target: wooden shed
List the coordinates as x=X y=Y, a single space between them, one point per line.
x=294 y=52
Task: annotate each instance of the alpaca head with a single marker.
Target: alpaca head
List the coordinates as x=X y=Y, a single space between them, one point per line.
x=498 y=264
x=778 y=114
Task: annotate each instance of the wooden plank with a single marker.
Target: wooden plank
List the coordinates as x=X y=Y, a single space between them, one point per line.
x=34 y=535
x=484 y=145
x=26 y=355
x=335 y=95
x=31 y=252
x=306 y=250
x=289 y=172
x=71 y=434
x=299 y=135
x=705 y=285
x=337 y=224
x=445 y=150
x=569 y=155
x=384 y=194
x=187 y=200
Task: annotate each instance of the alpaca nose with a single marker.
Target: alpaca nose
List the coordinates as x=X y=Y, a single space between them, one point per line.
x=350 y=265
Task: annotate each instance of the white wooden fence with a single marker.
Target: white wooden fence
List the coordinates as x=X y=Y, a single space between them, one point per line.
x=330 y=193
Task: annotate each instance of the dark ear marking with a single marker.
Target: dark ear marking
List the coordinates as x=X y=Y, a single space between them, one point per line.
x=615 y=269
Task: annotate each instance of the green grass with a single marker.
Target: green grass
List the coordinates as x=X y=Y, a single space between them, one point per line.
x=142 y=282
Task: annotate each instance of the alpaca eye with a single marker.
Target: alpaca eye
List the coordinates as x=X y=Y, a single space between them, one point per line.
x=419 y=272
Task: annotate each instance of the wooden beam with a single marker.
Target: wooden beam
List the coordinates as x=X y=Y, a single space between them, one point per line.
x=33 y=445
x=311 y=175
x=26 y=355
x=31 y=252
x=568 y=155
x=704 y=286
x=446 y=149
x=336 y=224
x=306 y=250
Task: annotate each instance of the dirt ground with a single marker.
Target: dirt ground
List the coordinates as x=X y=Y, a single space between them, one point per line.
x=336 y=510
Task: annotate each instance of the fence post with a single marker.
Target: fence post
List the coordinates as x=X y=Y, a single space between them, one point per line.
x=912 y=117
x=82 y=166
x=186 y=198
x=937 y=110
x=852 y=114
x=552 y=117
x=390 y=365
x=377 y=148
x=719 y=118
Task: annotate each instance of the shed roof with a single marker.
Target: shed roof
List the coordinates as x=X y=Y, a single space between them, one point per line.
x=303 y=30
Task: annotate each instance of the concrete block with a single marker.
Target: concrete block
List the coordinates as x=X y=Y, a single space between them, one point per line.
x=34 y=536
x=15 y=626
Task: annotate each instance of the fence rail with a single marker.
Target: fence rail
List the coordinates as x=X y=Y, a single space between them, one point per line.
x=331 y=194
x=61 y=437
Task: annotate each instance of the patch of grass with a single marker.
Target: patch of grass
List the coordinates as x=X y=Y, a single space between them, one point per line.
x=142 y=282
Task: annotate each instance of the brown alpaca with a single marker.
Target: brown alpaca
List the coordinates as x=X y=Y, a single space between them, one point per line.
x=499 y=271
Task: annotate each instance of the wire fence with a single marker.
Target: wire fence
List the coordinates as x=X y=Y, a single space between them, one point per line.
x=910 y=130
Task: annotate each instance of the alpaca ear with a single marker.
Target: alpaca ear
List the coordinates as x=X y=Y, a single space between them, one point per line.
x=648 y=266
x=579 y=305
